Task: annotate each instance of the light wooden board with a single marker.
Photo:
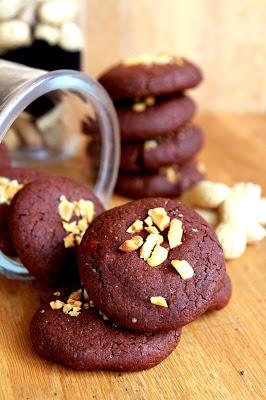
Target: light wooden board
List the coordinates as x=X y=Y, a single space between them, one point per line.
x=213 y=350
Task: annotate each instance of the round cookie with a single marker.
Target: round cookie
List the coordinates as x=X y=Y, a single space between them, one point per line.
x=223 y=295
x=4 y=156
x=43 y=226
x=87 y=342
x=150 y=77
x=169 y=181
x=175 y=147
x=167 y=114
x=125 y=287
x=21 y=176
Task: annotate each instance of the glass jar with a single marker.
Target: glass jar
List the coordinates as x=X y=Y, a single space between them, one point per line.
x=20 y=86
x=43 y=34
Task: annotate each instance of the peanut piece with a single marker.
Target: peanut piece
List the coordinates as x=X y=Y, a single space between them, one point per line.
x=233 y=239
x=132 y=244
x=183 y=268
x=159 y=217
x=159 y=255
x=175 y=233
x=137 y=226
x=151 y=229
x=206 y=194
x=261 y=211
x=148 y=246
x=210 y=216
x=255 y=232
x=159 y=301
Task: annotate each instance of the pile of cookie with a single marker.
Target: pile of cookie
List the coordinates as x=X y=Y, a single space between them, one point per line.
x=159 y=143
x=116 y=286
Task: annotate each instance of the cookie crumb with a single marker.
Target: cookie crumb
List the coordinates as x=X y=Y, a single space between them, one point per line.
x=56 y=294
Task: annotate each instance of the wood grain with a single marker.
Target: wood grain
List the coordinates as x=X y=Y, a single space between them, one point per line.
x=213 y=350
x=226 y=38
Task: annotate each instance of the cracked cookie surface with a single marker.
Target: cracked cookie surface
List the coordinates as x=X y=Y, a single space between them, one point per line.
x=121 y=284
x=88 y=342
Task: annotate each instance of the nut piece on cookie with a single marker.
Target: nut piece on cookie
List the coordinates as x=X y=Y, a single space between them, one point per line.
x=65 y=208
x=132 y=244
x=151 y=241
x=183 y=268
x=159 y=255
x=137 y=226
x=159 y=217
x=159 y=301
x=175 y=233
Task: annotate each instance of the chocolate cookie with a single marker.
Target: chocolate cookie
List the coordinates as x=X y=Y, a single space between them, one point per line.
x=4 y=156
x=88 y=342
x=167 y=114
x=11 y=181
x=169 y=181
x=178 y=281
x=223 y=295
x=175 y=147
x=47 y=220
x=150 y=76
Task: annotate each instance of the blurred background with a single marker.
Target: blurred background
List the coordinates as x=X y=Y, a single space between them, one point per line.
x=226 y=38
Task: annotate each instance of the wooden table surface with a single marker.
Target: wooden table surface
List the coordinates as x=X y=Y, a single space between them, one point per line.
x=221 y=355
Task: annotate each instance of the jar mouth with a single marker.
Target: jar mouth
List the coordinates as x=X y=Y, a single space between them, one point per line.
x=39 y=83
x=13 y=269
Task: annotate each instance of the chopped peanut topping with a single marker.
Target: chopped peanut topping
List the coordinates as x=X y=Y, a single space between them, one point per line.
x=150 y=144
x=159 y=217
x=183 y=268
x=57 y=304
x=151 y=241
x=139 y=107
x=159 y=255
x=148 y=221
x=84 y=210
x=132 y=244
x=137 y=226
x=175 y=233
x=8 y=189
x=65 y=209
x=151 y=229
x=159 y=301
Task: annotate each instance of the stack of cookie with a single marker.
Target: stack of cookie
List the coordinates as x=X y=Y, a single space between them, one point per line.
x=159 y=143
